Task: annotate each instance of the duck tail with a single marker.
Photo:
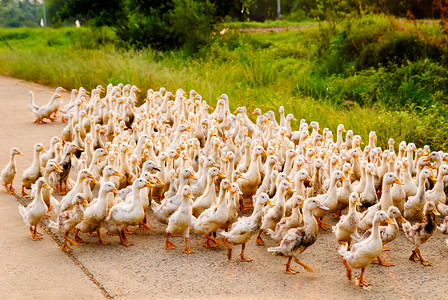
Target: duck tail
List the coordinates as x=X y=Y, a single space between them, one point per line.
x=343 y=250
x=154 y=205
x=22 y=211
x=52 y=225
x=34 y=108
x=275 y=250
x=55 y=204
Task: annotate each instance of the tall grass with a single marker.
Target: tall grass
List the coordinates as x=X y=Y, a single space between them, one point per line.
x=262 y=70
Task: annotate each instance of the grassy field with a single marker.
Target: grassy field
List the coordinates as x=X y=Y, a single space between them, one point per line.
x=374 y=73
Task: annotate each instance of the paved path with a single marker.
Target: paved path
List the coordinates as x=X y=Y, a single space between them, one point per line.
x=32 y=270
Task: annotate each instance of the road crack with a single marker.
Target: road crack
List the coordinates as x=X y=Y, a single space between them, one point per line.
x=76 y=261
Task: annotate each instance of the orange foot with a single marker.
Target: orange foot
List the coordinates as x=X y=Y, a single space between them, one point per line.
x=245 y=259
x=360 y=282
x=169 y=245
x=65 y=247
x=289 y=270
x=144 y=226
x=188 y=251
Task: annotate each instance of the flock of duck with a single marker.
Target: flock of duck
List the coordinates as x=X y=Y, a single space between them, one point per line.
x=199 y=169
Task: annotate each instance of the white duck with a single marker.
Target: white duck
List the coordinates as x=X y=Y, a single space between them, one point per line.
x=43 y=112
x=51 y=153
x=66 y=202
x=366 y=218
x=180 y=222
x=9 y=172
x=245 y=227
x=214 y=217
x=437 y=194
x=413 y=208
x=275 y=214
x=330 y=199
x=364 y=252
x=33 y=213
x=125 y=214
x=232 y=205
x=348 y=224
x=34 y=172
x=49 y=199
x=96 y=213
x=286 y=223
x=209 y=196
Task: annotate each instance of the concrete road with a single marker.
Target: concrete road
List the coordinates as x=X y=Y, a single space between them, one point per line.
x=39 y=269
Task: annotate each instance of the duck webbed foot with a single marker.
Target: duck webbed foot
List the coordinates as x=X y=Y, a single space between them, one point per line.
x=259 y=241
x=123 y=239
x=424 y=262
x=242 y=257
x=168 y=244
x=35 y=234
x=211 y=239
x=322 y=224
x=359 y=281
x=308 y=268
x=243 y=208
x=100 y=240
x=23 y=191
x=413 y=256
x=65 y=247
x=379 y=261
x=78 y=239
x=143 y=224
x=187 y=249
x=127 y=231
x=288 y=269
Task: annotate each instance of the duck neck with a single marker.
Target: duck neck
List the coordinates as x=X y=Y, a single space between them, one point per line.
x=410 y=159
x=39 y=197
x=221 y=203
x=310 y=222
x=370 y=181
x=375 y=231
x=386 y=196
x=254 y=166
x=421 y=187
x=440 y=185
x=36 y=159
x=339 y=139
x=257 y=214
x=78 y=213
x=210 y=185
x=333 y=186
x=136 y=203
x=12 y=162
x=300 y=187
x=230 y=169
x=124 y=161
x=47 y=174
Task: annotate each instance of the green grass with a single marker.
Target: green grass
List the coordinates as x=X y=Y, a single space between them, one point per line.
x=266 y=24
x=305 y=71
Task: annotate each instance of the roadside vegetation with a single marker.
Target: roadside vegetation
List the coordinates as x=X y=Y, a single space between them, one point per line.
x=373 y=72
